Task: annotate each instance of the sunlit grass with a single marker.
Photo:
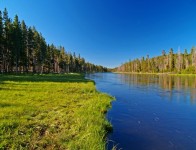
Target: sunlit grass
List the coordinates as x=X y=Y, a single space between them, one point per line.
x=52 y=112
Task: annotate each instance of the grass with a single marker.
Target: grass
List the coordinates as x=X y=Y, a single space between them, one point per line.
x=194 y=75
x=52 y=112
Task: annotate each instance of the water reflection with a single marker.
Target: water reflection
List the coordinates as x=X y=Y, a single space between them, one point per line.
x=172 y=85
x=151 y=112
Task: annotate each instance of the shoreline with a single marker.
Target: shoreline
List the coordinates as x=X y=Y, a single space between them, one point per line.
x=147 y=73
x=53 y=112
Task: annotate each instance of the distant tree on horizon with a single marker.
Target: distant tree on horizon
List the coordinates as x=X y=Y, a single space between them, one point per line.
x=170 y=63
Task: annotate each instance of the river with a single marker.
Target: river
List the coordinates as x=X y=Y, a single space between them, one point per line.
x=151 y=112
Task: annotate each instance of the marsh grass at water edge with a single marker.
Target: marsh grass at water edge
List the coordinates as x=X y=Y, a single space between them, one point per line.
x=52 y=112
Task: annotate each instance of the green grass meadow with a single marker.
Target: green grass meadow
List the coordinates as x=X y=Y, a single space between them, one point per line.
x=52 y=112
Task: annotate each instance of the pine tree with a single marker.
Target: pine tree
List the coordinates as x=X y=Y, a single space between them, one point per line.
x=42 y=57
x=171 y=60
x=62 y=60
x=82 y=62
x=186 y=62
x=48 y=59
x=1 y=42
x=17 y=43
x=193 y=56
x=5 y=49
x=24 y=47
x=36 y=49
x=68 y=62
x=30 y=46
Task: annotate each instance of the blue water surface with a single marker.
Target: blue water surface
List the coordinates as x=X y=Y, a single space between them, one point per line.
x=151 y=112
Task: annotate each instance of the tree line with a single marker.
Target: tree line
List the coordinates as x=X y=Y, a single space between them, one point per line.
x=23 y=49
x=171 y=63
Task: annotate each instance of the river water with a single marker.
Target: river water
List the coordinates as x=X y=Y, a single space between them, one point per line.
x=151 y=112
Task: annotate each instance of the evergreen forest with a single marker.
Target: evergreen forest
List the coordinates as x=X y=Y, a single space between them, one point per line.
x=184 y=63
x=23 y=49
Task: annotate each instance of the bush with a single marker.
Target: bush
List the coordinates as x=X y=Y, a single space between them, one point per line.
x=189 y=70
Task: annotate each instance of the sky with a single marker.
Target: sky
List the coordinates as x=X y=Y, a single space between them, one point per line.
x=110 y=32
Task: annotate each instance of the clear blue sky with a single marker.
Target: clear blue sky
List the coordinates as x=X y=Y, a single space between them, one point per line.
x=110 y=32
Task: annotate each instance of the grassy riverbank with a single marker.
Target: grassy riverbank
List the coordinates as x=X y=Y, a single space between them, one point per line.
x=52 y=112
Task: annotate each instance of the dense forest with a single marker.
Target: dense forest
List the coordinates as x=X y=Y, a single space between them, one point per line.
x=23 y=49
x=170 y=63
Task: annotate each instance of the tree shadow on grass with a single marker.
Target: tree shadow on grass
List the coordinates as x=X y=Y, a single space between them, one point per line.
x=44 y=78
